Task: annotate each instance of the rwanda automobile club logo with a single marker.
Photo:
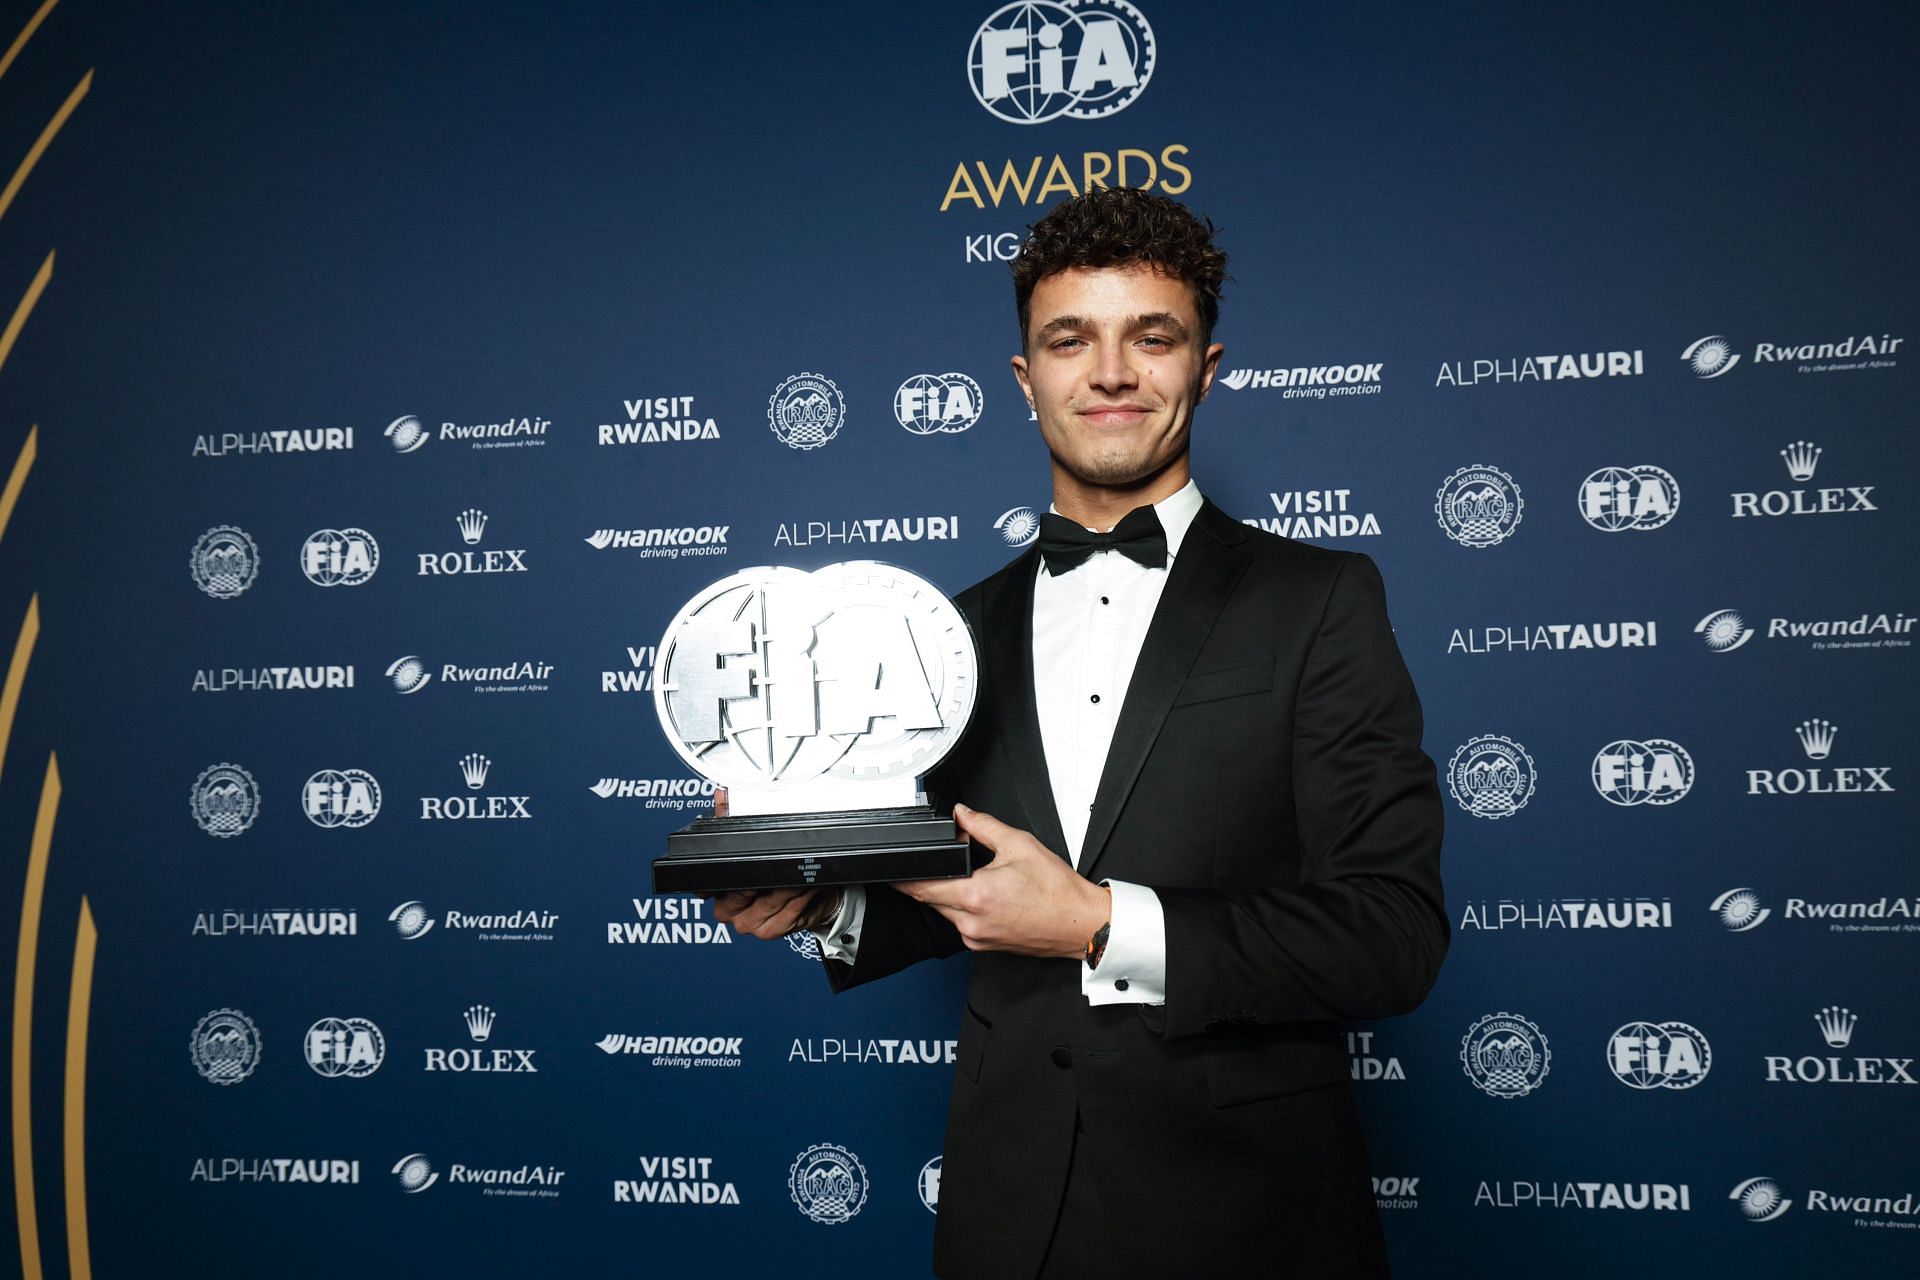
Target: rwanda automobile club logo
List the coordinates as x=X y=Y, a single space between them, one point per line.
x=1491 y=776
x=1505 y=1055
x=806 y=411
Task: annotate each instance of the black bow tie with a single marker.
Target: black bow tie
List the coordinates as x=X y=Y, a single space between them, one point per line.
x=1138 y=537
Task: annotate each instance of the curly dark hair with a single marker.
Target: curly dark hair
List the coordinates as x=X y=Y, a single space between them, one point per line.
x=1119 y=226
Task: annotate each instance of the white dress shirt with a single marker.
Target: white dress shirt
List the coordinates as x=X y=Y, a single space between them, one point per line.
x=1088 y=626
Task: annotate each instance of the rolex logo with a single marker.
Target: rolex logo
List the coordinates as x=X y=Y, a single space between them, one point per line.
x=1836 y=1025
x=1802 y=456
x=479 y=1022
x=1816 y=738
x=473 y=522
x=474 y=767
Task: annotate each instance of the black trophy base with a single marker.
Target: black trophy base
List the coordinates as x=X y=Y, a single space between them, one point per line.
x=800 y=850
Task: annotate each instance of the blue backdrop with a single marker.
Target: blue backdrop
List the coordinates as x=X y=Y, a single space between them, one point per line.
x=1641 y=277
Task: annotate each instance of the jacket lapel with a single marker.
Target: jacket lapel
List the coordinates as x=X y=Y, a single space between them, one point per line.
x=1203 y=576
x=1009 y=631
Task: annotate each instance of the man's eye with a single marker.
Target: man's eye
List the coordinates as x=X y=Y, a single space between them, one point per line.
x=1064 y=343
x=1156 y=342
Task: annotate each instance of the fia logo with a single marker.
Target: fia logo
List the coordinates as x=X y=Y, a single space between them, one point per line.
x=828 y=1183
x=1040 y=60
x=935 y=403
x=774 y=675
x=349 y=1047
x=224 y=562
x=341 y=798
x=339 y=557
x=1659 y=1055
x=1616 y=499
x=1630 y=773
x=930 y=1184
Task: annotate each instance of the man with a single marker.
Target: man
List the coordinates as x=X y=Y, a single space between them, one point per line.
x=1196 y=759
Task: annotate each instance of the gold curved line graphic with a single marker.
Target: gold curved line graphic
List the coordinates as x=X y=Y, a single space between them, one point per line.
x=46 y=136
x=23 y=1199
x=26 y=34
x=17 y=674
x=79 y=1006
x=17 y=481
x=25 y=309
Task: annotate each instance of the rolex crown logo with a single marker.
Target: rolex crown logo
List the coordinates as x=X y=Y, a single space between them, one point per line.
x=1836 y=1024
x=479 y=1022
x=1802 y=457
x=1816 y=738
x=474 y=766
x=473 y=522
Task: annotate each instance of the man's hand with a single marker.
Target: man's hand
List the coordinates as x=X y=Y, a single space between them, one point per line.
x=774 y=913
x=770 y=913
x=1027 y=900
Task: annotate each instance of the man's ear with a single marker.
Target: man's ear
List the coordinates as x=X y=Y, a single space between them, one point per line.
x=1019 y=364
x=1210 y=365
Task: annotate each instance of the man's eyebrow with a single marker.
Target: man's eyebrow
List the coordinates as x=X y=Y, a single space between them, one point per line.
x=1150 y=320
x=1062 y=324
x=1161 y=320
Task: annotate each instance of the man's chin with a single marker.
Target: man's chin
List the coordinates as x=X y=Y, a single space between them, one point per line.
x=1114 y=471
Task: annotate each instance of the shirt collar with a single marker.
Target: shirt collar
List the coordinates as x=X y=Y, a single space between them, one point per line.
x=1176 y=512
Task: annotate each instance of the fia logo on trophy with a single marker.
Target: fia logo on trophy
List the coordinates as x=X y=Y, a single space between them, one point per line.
x=818 y=700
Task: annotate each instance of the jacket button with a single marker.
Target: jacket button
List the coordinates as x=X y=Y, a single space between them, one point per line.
x=1062 y=1058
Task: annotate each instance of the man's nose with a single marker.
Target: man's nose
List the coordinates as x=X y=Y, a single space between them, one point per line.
x=1112 y=371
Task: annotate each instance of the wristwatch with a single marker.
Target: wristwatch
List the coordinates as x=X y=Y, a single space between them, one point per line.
x=1097 y=945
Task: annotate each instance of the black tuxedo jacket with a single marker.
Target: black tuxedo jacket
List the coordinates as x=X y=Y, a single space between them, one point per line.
x=1266 y=779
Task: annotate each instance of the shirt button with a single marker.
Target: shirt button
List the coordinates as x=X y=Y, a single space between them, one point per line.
x=1119 y=984
x=1094 y=698
x=1104 y=600
x=847 y=938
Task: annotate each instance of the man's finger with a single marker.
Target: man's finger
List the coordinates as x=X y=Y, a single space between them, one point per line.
x=935 y=893
x=983 y=827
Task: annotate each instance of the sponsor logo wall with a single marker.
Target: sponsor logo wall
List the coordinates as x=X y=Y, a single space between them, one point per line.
x=675 y=294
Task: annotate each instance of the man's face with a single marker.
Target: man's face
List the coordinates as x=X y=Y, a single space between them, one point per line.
x=1113 y=370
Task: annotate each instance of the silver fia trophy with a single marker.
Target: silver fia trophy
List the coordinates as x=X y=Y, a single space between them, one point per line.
x=818 y=700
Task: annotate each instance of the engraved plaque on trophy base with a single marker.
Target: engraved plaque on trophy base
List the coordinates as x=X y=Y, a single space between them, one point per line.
x=789 y=850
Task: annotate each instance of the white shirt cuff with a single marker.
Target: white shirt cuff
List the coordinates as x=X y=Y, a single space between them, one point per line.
x=1134 y=968
x=840 y=935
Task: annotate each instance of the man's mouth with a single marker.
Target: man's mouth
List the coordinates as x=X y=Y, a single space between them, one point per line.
x=1113 y=415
